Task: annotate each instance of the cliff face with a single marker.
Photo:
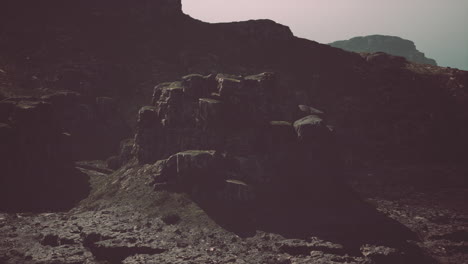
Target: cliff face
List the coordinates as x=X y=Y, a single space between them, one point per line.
x=220 y=138
x=383 y=107
x=36 y=159
x=222 y=168
x=388 y=44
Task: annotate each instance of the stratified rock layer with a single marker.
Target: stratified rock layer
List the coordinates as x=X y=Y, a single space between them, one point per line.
x=218 y=137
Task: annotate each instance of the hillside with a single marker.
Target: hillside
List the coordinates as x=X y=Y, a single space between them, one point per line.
x=99 y=51
x=389 y=44
x=133 y=133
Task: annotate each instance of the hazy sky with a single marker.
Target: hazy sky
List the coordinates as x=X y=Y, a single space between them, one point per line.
x=438 y=27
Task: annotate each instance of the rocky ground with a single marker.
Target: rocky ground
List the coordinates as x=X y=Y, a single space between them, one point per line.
x=218 y=173
x=135 y=224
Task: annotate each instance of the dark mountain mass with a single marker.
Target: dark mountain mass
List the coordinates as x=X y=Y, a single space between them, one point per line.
x=239 y=143
x=123 y=51
x=388 y=44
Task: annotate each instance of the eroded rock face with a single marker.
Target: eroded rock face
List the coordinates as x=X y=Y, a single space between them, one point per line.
x=124 y=155
x=95 y=124
x=217 y=137
x=207 y=113
x=42 y=137
x=37 y=166
x=121 y=51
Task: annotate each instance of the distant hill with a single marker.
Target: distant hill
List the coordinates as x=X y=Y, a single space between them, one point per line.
x=388 y=44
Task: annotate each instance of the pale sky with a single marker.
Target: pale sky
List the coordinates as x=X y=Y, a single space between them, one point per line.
x=438 y=27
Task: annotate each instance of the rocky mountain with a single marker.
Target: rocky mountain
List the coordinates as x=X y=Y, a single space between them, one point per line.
x=239 y=143
x=389 y=44
x=43 y=137
x=395 y=107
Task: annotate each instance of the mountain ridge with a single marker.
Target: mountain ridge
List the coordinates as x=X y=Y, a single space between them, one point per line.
x=393 y=45
x=223 y=166
x=123 y=49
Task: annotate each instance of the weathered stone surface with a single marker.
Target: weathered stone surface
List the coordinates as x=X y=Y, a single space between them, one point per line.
x=147 y=116
x=280 y=134
x=197 y=86
x=204 y=112
x=236 y=191
x=125 y=49
x=359 y=95
x=96 y=124
x=224 y=144
x=129 y=235
x=305 y=110
x=211 y=113
x=311 y=128
x=382 y=254
x=124 y=155
x=42 y=138
x=62 y=98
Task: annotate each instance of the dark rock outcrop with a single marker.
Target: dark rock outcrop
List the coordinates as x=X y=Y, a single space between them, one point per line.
x=124 y=155
x=120 y=52
x=388 y=44
x=42 y=137
x=96 y=125
x=37 y=167
x=228 y=139
x=215 y=137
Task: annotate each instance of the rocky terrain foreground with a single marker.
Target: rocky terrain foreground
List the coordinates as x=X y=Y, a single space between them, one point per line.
x=172 y=229
x=255 y=146
x=223 y=179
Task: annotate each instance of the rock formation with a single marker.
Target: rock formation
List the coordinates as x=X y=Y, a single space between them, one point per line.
x=120 y=52
x=388 y=44
x=41 y=139
x=96 y=124
x=36 y=159
x=223 y=168
x=219 y=137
